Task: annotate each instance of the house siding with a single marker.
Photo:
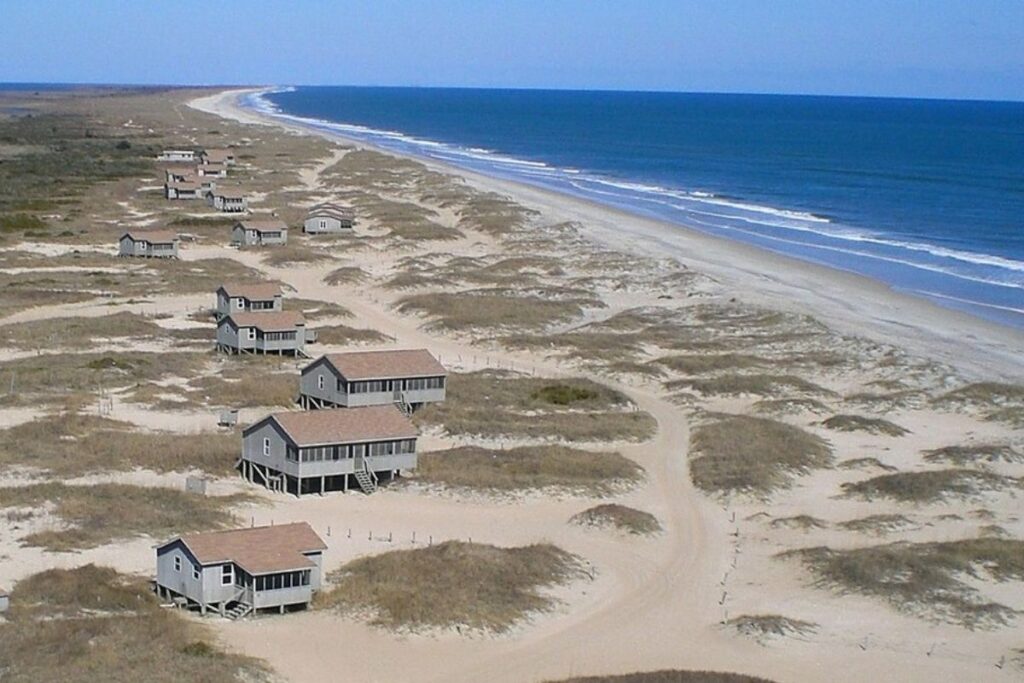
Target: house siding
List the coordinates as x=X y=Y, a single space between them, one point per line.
x=312 y=225
x=309 y=386
x=183 y=582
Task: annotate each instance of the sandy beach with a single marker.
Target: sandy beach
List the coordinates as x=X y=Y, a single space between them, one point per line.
x=704 y=337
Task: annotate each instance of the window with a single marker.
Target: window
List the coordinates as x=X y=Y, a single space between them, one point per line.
x=142 y=246
x=227 y=575
x=195 y=572
x=323 y=224
x=177 y=563
x=239 y=302
x=319 y=381
x=266 y=446
x=250 y=333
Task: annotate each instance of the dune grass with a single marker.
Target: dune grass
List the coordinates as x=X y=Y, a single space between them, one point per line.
x=974 y=453
x=924 y=579
x=73 y=444
x=102 y=513
x=618 y=517
x=743 y=454
x=764 y=627
x=801 y=522
x=80 y=332
x=528 y=468
x=859 y=423
x=878 y=524
x=53 y=378
x=346 y=275
x=758 y=385
x=314 y=309
x=495 y=403
x=699 y=364
x=790 y=406
x=488 y=309
x=344 y=334
x=454 y=584
x=866 y=463
x=929 y=486
x=92 y=623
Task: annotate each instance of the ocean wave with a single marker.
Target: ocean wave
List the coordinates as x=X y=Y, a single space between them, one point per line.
x=700 y=207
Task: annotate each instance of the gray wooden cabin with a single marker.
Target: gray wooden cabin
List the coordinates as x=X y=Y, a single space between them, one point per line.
x=328 y=218
x=328 y=450
x=228 y=201
x=407 y=379
x=218 y=156
x=274 y=332
x=256 y=297
x=259 y=232
x=148 y=244
x=241 y=571
x=185 y=189
x=213 y=169
x=177 y=155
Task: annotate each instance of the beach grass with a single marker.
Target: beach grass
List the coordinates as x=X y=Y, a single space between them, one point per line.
x=618 y=517
x=668 y=676
x=77 y=625
x=528 y=468
x=970 y=454
x=931 y=580
x=742 y=454
x=764 y=627
x=499 y=403
x=859 y=423
x=99 y=514
x=929 y=486
x=487 y=309
x=450 y=585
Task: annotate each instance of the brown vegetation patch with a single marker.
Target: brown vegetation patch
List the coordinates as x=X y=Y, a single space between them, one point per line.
x=742 y=454
x=929 y=486
x=340 y=335
x=91 y=623
x=489 y=309
x=879 y=524
x=451 y=585
x=758 y=385
x=101 y=513
x=790 y=406
x=859 y=423
x=619 y=517
x=495 y=403
x=801 y=522
x=346 y=275
x=973 y=453
x=764 y=627
x=71 y=444
x=924 y=579
x=528 y=468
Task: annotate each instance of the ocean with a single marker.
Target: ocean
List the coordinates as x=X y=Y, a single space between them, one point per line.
x=924 y=195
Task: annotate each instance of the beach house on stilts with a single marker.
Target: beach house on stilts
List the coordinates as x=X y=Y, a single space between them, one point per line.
x=241 y=571
x=255 y=297
x=274 y=332
x=407 y=378
x=328 y=450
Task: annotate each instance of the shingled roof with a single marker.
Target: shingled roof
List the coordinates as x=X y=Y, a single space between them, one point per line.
x=151 y=236
x=348 y=425
x=268 y=321
x=253 y=291
x=263 y=224
x=257 y=550
x=365 y=365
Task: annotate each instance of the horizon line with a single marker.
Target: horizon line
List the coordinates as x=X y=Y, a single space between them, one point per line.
x=183 y=86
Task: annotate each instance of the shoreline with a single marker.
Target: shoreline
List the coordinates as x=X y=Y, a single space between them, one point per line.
x=852 y=304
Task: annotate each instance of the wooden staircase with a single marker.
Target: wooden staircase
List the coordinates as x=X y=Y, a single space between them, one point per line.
x=238 y=611
x=403 y=405
x=366 y=479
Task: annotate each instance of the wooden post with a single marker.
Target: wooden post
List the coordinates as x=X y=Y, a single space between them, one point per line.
x=322 y=483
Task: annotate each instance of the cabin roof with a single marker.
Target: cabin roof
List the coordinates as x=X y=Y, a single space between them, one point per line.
x=151 y=236
x=218 y=155
x=313 y=427
x=191 y=184
x=332 y=211
x=363 y=365
x=253 y=291
x=229 y=194
x=268 y=321
x=257 y=550
x=263 y=224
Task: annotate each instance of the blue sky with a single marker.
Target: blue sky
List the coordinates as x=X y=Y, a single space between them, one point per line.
x=926 y=48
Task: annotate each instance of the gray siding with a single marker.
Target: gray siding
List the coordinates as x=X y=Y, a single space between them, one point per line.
x=129 y=247
x=181 y=582
x=322 y=224
x=238 y=339
x=227 y=305
x=253 y=451
x=322 y=372
x=254 y=238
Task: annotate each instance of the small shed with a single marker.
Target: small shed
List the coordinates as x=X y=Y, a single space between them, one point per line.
x=228 y=200
x=258 y=232
x=149 y=244
x=328 y=218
